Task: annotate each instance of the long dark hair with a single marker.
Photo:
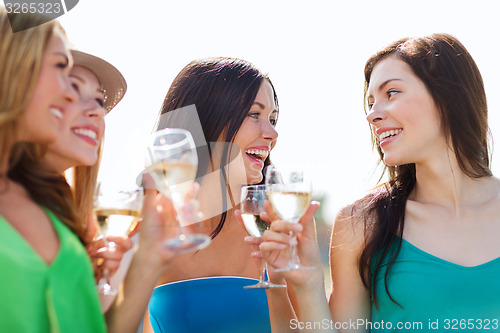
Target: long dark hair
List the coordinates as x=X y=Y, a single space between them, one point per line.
x=452 y=78
x=223 y=91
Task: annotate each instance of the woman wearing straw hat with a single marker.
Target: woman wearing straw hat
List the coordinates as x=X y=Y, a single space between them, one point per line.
x=100 y=86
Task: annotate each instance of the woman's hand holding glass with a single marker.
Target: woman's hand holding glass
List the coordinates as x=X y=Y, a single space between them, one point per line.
x=275 y=248
x=289 y=191
x=105 y=259
x=159 y=224
x=172 y=161
x=252 y=205
x=116 y=213
x=101 y=257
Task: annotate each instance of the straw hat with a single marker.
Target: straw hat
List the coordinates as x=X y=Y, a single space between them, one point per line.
x=112 y=81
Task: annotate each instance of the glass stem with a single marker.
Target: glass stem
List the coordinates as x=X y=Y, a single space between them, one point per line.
x=104 y=280
x=183 y=233
x=294 y=258
x=263 y=267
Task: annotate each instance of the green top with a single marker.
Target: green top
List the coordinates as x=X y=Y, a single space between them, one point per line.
x=36 y=297
x=437 y=295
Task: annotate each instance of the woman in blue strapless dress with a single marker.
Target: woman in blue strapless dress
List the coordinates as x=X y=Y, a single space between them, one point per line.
x=231 y=109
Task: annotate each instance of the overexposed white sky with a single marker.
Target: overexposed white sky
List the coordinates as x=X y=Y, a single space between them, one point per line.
x=314 y=52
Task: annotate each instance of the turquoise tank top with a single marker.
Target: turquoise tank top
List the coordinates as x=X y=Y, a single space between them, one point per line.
x=437 y=295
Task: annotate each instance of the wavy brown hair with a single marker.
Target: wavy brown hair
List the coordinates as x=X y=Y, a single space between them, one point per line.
x=453 y=79
x=45 y=186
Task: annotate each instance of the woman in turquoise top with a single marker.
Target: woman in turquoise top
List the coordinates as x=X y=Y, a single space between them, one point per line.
x=419 y=252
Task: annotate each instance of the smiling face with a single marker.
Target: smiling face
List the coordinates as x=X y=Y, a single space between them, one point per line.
x=257 y=135
x=403 y=115
x=82 y=124
x=41 y=121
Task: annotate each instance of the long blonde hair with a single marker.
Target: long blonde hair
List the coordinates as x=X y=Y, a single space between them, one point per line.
x=21 y=56
x=84 y=180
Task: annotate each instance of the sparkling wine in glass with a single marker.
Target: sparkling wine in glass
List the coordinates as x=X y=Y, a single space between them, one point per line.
x=172 y=162
x=116 y=221
x=252 y=204
x=289 y=192
x=116 y=213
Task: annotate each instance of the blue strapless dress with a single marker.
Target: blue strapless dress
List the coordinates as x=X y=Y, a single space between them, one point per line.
x=213 y=304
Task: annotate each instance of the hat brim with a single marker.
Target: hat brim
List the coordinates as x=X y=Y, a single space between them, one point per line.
x=112 y=81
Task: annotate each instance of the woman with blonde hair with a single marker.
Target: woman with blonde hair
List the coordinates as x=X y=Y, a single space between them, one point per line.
x=43 y=264
x=47 y=280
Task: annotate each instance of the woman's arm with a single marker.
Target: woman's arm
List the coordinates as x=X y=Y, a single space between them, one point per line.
x=280 y=308
x=148 y=264
x=115 y=261
x=279 y=302
x=308 y=284
x=350 y=299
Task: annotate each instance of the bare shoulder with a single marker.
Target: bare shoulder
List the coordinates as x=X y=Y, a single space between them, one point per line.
x=487 y=197
x=348 y=238
x=350 y=299
x=494 y=184
x=350 y=225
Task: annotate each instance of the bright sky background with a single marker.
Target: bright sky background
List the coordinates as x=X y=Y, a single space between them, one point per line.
x=314 y=52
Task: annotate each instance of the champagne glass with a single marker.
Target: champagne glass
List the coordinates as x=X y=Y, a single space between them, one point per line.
x=117 y=213
x=289 y=192
x=172 y=163
x=252 y=205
